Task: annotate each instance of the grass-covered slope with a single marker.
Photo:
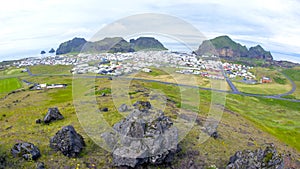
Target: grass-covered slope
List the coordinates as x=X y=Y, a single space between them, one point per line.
x=247 y=123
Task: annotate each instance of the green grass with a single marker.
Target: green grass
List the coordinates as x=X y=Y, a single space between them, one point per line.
x=278 y=85
x=277 y=117
x=264 y=120
x=50 y=69
x=157 y=72
x=12 y=72
x=266 y=88
x=280 y=80
x=9 y=84
x=294 y=74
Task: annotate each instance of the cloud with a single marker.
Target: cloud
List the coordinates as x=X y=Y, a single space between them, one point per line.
x=37 y=24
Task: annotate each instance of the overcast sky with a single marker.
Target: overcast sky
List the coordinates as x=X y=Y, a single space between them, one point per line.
x=27 y=27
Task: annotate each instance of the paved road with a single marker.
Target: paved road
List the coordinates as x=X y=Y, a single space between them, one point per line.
x=233 y=88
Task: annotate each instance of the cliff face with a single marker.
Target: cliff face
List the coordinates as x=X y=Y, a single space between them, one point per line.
x=259 y=53
x=74 y=45
x=223 y=46
x=113 y=45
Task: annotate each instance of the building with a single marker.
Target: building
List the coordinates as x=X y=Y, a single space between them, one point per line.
x=265 y=80
x=147 y=70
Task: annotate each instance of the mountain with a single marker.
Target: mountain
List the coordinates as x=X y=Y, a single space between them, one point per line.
x=113 y=45
x=74 y=45
x=224 y=46
x=258 y=52
x=146 y=43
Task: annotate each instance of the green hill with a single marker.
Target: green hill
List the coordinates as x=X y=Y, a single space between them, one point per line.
x=224 y=46
x=112 y=44
x=146 y=43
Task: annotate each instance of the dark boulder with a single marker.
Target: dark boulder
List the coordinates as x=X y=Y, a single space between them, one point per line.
x=123 y=108
x=143 y=137
x=38 y=121
x=105 y=109
x=53 y=114
x=210 y=128
x=2 y=161
x=68 y=141
x=142 y=105
x=26 y=150
x=40 y=165
x=268 y=158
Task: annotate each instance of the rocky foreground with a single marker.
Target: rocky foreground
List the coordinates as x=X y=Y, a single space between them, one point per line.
x=146 y=136
x=267 y=158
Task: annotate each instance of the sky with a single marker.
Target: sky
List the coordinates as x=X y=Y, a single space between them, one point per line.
x=27 y=27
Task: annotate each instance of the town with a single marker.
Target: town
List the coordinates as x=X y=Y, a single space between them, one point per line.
x=116 y=64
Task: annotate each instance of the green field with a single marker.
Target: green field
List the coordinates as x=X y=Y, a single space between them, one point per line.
x=266 y=88
x=279 y=85
x=12 y=72
x=50 y=69
x=9 y=84
x=294 y=74
x=263 y=120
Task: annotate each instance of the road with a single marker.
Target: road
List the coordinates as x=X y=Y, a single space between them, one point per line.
x=232 y=86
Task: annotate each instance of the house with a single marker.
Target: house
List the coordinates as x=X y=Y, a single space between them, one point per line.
x=265 y=80
x=56 y=86
x=147 y=70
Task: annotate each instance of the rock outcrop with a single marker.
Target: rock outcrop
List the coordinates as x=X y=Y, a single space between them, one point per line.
x=223 y=46
x=268 y=158
x=123 y=108
x=258 y=52
x=142 y=105
x=68 y=141
x=53 y=114
x=2 y=161
x=145 y=136
x=26 y=150
x=51 y=50
x=40 y=165
x=72 y=46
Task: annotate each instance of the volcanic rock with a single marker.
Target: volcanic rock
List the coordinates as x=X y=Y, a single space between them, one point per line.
x=142 y=105
x=105 y=109
x=143 y=137
x=26 y=150
x=38 y=121
x=68 y=141
x=123 y=108
x=210 y=128
x=53 y=114
x=268 y=158
x=40 y=165
x=2 y=161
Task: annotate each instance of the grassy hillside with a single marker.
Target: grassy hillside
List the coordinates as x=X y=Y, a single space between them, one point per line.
x=247 y=123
